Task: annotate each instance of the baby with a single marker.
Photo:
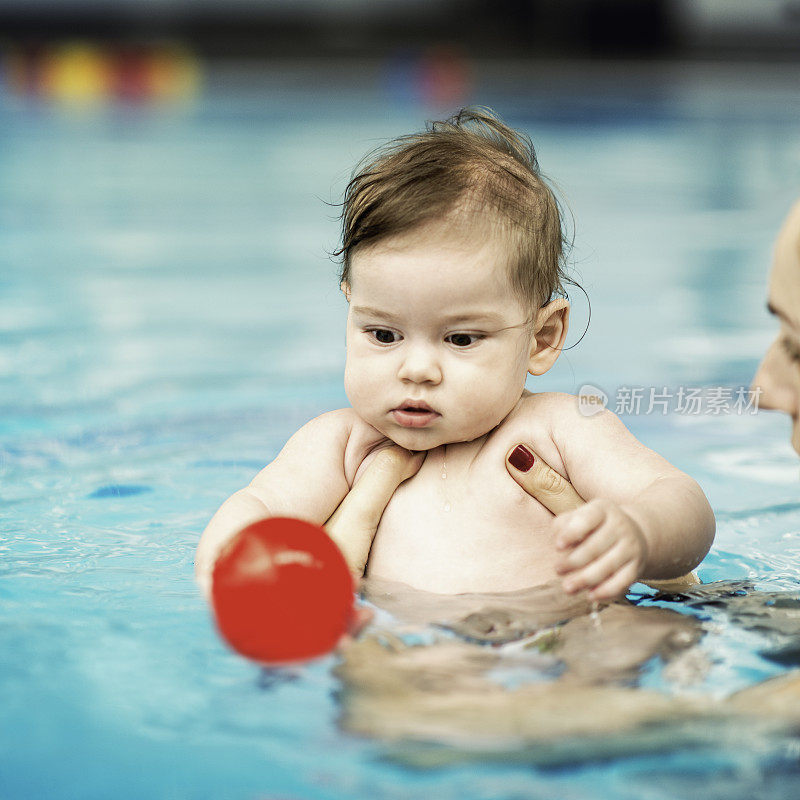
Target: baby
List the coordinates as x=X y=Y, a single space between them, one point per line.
x=452 y=269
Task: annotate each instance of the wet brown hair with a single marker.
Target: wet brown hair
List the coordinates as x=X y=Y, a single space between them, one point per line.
x=469 y=163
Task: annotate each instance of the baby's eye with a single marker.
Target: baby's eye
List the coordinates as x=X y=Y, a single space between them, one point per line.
x=463 y=339
x=384 y=336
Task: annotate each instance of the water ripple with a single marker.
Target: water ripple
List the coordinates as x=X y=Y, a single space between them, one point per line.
x=119 y=490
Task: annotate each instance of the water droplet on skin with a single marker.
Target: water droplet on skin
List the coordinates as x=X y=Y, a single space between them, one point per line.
x=444 y=476
x=594 y=614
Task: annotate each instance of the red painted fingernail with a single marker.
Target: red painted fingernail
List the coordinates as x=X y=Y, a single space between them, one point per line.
x=521 y=458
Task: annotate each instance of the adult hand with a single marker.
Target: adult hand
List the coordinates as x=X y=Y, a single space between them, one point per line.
x=603 y=546
x=354 y=523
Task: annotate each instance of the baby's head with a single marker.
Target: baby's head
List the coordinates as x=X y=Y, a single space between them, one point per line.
x=452 y=253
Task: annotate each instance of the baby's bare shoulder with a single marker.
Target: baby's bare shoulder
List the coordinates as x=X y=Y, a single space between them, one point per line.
x=585 y=436
x=553 y=423
x=544 y=410
x=343 y=423
x=534 y=422
x=326 y=451
x=549 y=400
x=563 y=412
x=362 y=440
x=332 y=436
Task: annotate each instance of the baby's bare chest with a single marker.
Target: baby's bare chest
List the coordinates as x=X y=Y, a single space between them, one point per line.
x=463 y=525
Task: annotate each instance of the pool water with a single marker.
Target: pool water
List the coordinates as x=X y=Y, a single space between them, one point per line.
x=169 y=316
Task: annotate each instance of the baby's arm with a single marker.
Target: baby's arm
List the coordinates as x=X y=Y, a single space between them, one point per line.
x=644 y=518
x=306 y=480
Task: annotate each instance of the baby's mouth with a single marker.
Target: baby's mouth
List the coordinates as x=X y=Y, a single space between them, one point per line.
x=415 y=408
x=414 y=414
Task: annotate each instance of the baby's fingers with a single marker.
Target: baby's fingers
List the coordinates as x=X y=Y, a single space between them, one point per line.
x=596 y=572
x=618 y=584
x=572 y=528
x=590 y=549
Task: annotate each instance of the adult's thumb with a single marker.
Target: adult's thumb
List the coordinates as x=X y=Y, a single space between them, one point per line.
x=541 y=481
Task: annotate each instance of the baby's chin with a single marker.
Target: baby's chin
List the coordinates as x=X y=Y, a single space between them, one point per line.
x=416 y=445
x=421 y=439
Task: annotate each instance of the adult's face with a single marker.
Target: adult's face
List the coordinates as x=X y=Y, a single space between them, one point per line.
x=779 y=372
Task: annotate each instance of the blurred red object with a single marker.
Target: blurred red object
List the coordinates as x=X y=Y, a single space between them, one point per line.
x=282 y=592
x=439 y=78
x=444 y=77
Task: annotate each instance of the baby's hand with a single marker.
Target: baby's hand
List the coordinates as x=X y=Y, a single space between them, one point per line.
x=604 y=549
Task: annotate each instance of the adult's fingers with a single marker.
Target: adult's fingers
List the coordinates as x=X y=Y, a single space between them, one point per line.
x=539 y=480
x=354 y=523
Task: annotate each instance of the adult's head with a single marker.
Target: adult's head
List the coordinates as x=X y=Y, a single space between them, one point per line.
x=779 y=372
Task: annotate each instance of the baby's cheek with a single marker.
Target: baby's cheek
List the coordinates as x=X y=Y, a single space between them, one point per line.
x=360 y=390
x=498 y=404
x=352 y=388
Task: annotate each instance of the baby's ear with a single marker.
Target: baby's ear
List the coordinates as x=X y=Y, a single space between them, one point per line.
x=552 y=323
x=345 y=287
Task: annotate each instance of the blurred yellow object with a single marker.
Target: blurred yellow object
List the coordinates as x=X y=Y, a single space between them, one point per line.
x=76 y=74
x=82 y=75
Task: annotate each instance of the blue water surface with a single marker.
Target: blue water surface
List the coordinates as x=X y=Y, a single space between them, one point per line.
x=169 y=316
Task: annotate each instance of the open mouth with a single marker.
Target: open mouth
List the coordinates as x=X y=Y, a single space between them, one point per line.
x=415 y=415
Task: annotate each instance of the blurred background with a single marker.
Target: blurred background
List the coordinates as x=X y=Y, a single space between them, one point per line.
x=485 y=28
x=136 y=49
x=169 y=316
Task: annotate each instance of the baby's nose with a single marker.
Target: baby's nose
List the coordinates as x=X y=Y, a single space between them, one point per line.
x=420 y=364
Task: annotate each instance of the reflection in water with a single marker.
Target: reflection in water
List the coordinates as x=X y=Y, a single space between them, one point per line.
x=433 y=683
x=775 y=615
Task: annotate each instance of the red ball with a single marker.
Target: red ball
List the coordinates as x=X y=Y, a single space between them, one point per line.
x=282 y=591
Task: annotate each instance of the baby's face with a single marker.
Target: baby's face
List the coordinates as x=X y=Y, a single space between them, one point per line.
x=437 y=343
